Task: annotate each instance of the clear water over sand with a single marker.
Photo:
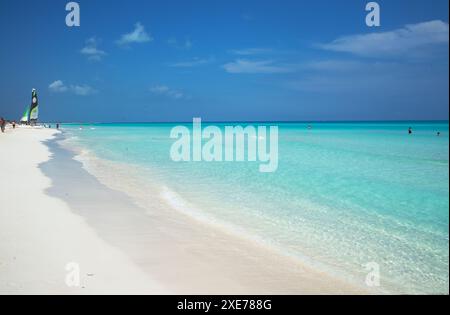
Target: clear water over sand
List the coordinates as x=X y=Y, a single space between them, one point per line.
x=344 y=194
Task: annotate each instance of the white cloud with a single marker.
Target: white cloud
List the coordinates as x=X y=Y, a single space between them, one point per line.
x=91 y=51
x=186 y=44
x=166 y=91
x=138 y=35
x=334 y=65
x=159 y=89
x=58 y=86
x=248 y=66
x=192 y=63
x=251 y=51
x=82 y=90
x=407 y=40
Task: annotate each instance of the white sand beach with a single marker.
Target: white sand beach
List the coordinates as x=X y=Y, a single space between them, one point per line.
x=39 y=235
x=118 y=247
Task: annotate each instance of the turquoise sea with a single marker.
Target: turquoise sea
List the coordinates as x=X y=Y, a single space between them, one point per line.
x=344 y=194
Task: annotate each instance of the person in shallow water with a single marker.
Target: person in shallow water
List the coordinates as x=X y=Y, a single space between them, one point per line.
x=409 y=130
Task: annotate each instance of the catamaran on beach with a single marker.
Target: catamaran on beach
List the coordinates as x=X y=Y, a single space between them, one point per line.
x=31 y=113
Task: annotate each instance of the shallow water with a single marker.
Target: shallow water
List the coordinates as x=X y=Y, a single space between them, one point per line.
x=344 y=194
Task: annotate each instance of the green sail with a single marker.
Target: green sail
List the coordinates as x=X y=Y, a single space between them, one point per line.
x=25 y=115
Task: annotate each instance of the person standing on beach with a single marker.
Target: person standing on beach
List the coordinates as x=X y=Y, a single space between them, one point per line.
x=2 y=124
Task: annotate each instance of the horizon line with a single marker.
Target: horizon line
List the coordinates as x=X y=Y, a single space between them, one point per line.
x=254 y=121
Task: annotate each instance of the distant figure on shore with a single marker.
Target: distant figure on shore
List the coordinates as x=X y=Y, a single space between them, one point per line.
x=14 y=124
x=57 y=126
x=2 y=124
x=409 y=130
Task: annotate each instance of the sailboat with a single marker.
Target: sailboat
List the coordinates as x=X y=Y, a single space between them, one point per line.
x=31 y=112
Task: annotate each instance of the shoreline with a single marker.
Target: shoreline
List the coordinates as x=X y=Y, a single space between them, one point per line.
x=176 y=253
x=41 y=238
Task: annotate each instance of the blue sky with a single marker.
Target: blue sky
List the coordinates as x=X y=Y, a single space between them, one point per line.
x=225 y=60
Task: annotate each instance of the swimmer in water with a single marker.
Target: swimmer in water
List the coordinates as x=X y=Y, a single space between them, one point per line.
x=409 y=130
